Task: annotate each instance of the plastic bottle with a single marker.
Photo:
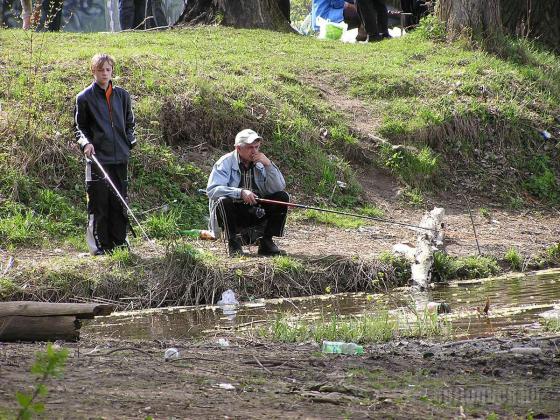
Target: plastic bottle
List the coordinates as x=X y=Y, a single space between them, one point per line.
x=340 y=347
x=192 y=233
x=198 y=234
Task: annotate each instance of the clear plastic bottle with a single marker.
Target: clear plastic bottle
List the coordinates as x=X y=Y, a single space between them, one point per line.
x=340 y=347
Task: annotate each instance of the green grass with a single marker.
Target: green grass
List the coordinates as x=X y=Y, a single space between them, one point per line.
x=447 y=268
x=340 y=220
x=195 y=88
x=365 y=329
x=551 y=325
x=514 y=259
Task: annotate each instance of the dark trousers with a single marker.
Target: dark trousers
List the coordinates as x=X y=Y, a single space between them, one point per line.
x=132 y=13
x=374 y=16
x=156 y=14
x=233 y=216
x=51 y=15
x=107 y=218
x=284 y=6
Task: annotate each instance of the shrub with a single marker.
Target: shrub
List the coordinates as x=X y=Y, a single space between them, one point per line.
x=514 y=259
x=476 y=267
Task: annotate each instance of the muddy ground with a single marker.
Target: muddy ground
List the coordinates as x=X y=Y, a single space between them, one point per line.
x=404 y=379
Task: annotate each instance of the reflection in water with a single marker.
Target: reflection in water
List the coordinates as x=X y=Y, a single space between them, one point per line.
x=515 y=302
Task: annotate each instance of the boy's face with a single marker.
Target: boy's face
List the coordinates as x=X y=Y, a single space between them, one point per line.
x=103 y=74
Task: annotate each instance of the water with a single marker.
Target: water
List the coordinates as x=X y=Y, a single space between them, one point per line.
x=515 y=304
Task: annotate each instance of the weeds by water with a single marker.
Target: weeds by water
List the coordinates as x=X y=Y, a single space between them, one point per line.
x=551 y=325
x=378 y=328
x=447 y=267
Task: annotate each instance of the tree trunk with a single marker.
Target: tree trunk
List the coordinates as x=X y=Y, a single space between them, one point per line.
x=478 y=20
x=263 y=14
x=535 y=19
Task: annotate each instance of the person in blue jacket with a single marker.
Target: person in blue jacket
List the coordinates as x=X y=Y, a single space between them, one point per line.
x=371 y=16
x=335 y=11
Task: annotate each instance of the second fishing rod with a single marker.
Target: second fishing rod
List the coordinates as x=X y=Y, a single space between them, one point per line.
x=344 y=213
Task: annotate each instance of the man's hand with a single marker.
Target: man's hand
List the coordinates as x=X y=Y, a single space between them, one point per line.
x=89 y=150
x=249 y=197
x=261 y=157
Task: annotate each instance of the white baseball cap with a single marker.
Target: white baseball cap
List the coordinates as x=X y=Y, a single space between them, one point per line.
x=246 y=136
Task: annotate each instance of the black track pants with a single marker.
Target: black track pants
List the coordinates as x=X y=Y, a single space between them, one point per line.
x=107 y=218
x=233 y=215
x=374 y=16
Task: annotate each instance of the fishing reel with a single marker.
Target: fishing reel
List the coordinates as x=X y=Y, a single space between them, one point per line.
x=257 y=211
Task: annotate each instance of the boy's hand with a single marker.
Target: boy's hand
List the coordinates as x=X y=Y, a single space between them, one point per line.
x=261 y=157
x=89 y=150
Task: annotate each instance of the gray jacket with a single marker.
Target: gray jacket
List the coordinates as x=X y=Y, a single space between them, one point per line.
x=225 y=178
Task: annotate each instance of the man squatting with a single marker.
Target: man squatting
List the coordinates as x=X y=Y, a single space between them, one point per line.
x=237 y=180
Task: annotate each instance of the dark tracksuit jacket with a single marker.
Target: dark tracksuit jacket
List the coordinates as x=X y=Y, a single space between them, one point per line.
x=105 y=119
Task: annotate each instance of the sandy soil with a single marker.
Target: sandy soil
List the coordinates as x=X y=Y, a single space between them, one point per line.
x=415 y=379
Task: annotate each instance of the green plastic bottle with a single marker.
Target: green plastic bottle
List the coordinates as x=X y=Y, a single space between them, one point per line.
x=340 y=347
x=192 y=233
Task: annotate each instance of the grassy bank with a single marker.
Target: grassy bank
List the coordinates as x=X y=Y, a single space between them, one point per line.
x=183 y=274
x=194 y=88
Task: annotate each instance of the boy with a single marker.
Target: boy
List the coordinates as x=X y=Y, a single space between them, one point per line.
x=105 y=128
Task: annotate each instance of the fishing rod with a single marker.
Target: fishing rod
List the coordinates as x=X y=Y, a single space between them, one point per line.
x=361 y=216
x=117 y=192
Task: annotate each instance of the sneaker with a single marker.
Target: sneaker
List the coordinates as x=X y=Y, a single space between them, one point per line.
x=234 y=248
x=268 y=247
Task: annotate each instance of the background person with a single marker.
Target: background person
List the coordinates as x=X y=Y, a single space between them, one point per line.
x=132 y=14
x=375 y=18
x=236 y=180
x=105 y=128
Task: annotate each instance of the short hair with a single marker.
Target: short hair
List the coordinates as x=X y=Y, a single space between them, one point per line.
x=99 y=59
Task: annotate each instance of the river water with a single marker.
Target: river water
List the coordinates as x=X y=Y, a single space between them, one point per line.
x=515 y=303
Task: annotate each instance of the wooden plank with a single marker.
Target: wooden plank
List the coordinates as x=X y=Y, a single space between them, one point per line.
x=41 y=309
x=43 y=328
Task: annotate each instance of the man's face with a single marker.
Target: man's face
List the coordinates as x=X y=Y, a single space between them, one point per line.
x=103 y=74
x=247 y=152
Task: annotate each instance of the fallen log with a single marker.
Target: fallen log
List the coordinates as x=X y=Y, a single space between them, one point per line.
x=79 y=310
x=43 y=321
x=42 y=328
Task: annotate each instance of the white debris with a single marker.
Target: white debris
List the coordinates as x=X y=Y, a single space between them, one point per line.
x=171 y=353
x=228 y=298
x=223 y=342
x=429 y=239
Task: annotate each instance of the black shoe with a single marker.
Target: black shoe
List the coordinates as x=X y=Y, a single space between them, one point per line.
x=374 y=38
x=234 y=248
x=268 y=247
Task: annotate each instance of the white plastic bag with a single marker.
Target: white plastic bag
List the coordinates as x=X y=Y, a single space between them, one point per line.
x=228 y=298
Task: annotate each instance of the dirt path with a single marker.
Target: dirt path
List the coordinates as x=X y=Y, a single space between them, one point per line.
x=106 y=379
x=528 y=233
